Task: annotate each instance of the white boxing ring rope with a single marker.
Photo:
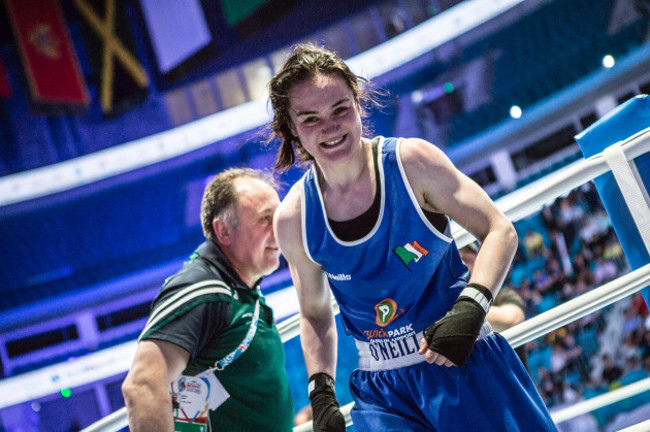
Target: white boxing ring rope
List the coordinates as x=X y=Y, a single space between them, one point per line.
x=518 y=205
x=555 y=318
x=526 y=200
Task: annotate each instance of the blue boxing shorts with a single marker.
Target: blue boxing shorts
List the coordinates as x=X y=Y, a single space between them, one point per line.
x=491 y=392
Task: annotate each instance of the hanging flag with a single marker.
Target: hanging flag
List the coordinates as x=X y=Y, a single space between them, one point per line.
x=47 y=53
x=235 y=11
x=177 y=30
x=121 y=78
x=5 y=89
x=248 y=17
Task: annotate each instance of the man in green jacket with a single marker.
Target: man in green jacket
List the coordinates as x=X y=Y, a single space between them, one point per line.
x=210 y=352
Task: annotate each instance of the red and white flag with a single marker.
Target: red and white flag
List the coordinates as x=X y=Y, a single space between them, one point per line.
x=47 y=52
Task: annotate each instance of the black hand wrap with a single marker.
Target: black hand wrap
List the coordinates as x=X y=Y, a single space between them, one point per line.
x=327 y=415
x=454 y=334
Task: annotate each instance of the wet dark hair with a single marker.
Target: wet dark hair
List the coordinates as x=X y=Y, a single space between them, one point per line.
x=304 y=63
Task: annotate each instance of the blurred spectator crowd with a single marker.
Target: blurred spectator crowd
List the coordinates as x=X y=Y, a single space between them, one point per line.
x=567 y=249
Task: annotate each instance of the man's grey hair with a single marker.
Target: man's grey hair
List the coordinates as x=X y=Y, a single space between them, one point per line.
x=220 y=197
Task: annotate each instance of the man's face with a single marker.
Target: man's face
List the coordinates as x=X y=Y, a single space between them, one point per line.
x=252 y=249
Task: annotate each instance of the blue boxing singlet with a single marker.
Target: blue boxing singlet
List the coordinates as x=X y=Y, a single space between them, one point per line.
x=399 y=278
x=391 y=284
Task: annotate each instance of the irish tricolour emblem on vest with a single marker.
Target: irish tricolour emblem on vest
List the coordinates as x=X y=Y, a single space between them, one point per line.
x=410 y=252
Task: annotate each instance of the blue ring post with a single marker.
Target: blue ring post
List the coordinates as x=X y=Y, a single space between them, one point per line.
x=619 y=124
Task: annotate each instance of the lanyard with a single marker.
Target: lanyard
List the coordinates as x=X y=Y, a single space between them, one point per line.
x=243 y=346
x=194 y=396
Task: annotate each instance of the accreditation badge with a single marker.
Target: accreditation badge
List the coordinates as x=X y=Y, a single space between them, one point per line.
x=192 y=399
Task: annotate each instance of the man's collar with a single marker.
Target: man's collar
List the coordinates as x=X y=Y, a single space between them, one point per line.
x=213 y=253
